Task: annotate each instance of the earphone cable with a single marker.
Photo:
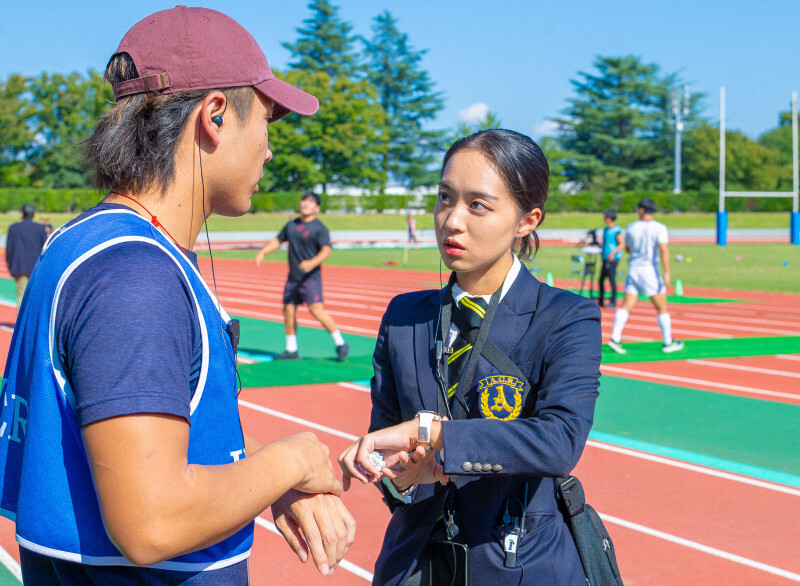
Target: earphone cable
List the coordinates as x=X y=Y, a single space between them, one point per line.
x=213 y=275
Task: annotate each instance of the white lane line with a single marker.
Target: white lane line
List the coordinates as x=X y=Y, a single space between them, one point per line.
x=787 y=357
x=693 y=381
x=693 y=333
x=304 y=322
x=742 y=367
x=9 y=562
x=344 y=564
x=609 y=518
x=737 y=327
x=695 y=468
x=294 y=419
x=6 y=328
x=727 y=318
x=355 y=387
x=703 y=548
x=593 y=443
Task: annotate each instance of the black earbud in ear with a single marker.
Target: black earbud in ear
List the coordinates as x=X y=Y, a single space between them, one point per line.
x=217 y=120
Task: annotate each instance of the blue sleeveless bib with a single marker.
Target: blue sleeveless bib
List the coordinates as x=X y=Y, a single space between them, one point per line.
x=45 y=477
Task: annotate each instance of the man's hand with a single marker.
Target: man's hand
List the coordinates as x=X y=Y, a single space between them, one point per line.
x=319 y=524
x=314 y=458
x=306 y=266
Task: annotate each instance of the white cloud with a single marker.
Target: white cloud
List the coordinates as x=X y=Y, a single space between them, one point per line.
x=545 y=128
x=474 y=114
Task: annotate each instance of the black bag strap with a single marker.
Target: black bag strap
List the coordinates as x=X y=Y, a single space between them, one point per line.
x=592 y=540
x=493 y=354
x=571 y=492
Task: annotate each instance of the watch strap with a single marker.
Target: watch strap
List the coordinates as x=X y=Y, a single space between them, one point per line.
x=426 y=418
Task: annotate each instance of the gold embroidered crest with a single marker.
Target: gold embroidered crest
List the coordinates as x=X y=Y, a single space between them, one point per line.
x=501 y=396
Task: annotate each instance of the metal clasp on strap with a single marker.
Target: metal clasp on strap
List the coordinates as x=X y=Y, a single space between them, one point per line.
x=572 y=493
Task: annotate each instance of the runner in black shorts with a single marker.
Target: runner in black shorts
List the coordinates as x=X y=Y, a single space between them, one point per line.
x=309 y=246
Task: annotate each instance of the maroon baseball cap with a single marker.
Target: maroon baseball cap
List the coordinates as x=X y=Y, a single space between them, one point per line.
x=183 y=49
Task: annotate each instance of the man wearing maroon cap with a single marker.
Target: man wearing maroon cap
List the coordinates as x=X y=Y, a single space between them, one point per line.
x=121 y=444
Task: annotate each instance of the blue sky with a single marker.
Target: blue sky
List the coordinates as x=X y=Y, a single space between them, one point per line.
x=515 y=57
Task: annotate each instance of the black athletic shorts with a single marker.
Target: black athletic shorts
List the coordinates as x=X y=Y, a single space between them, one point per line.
x=306 y=291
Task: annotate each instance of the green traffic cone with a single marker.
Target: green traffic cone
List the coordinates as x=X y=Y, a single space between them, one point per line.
x=678 y=288
x=549 y=279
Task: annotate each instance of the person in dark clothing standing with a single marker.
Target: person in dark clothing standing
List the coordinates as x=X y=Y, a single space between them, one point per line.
x=24 y=243
x=309 y=246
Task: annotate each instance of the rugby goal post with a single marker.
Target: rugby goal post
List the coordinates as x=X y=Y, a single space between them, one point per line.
x=722 y=215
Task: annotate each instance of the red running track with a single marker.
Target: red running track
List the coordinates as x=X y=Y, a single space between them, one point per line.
x=706 y=527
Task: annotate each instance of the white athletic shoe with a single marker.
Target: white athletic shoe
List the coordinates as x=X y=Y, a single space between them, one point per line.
x=673 y=346
x=617 y=347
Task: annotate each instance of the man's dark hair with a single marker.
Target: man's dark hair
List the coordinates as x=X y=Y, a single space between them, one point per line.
x=313 y=196
x=133 y=145
x=648 y=205
x=28 y=210
x=520 y=163
x=610 y=214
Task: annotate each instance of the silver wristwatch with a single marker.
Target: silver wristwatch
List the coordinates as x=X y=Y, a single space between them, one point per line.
x=426 y=418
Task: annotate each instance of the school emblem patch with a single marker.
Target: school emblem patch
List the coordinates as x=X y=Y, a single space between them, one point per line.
x=501 y=396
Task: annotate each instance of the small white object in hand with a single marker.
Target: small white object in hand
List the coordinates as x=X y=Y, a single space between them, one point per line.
x=376 y=459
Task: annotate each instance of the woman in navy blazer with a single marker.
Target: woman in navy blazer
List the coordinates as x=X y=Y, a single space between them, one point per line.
x=498 y=455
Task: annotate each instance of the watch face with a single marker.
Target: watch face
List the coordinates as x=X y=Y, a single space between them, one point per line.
x=423 y=435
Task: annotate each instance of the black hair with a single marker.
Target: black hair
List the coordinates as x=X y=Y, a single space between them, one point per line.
x=648 y=205
x=610 y=214
x=133 y=145
x=523 y=167
x=312 y=195
x=28 y=210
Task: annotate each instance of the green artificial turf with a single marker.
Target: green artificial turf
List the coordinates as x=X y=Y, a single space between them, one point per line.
x=705 y=348
x=750 y=431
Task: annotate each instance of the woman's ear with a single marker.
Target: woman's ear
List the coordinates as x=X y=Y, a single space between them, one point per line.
x=213 y=106
x=528 y=223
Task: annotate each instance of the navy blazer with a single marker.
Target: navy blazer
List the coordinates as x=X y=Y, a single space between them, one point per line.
x=553 y=336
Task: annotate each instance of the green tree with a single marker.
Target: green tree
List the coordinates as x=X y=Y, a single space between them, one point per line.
x=490 y=121
x=325 y=43
x=749 y=166
x=16 y=131
x=342 y=144
x=556 y=160
x=405 y=91
x=65 y=110
x=616 y=130
x=780 y=140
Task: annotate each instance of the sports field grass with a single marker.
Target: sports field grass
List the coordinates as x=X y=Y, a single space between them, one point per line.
x=564 y=221
x=561 y=221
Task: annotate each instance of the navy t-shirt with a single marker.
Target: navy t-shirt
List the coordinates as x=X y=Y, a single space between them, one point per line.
x=305 y=241
x=128 y=336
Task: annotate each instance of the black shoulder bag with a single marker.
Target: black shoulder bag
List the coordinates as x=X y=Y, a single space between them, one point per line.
x=591 y=538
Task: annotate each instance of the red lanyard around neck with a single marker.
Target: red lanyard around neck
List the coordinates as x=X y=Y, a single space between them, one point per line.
x=153 y=220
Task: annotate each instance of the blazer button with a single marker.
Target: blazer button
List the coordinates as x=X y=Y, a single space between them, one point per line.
x=497 y=468
x=466 y=467
x=487 y=467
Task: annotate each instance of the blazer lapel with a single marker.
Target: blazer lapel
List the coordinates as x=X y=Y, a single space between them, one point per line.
x=424 y=354
x=515 y=311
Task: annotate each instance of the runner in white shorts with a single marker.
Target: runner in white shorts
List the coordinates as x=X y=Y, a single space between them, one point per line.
x=646 y=241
